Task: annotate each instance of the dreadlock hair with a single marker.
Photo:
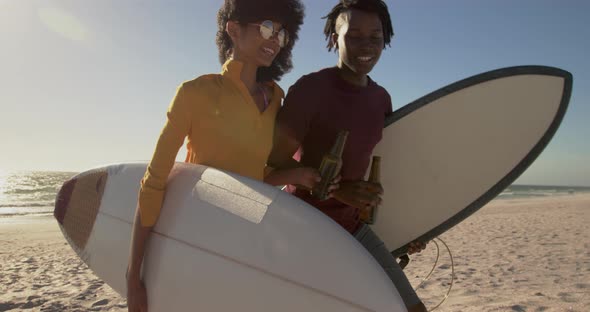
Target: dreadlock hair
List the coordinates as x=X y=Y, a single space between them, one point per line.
x=371 y=6
x=289 y=13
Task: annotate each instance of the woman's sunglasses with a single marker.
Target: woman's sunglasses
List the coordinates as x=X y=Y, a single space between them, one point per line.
x=267 y=31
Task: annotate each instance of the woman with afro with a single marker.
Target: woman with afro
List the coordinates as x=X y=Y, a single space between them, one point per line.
x=227 y=118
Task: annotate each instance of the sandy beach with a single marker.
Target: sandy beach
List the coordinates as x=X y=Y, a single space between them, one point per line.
x=512 y=255
x=40 y=272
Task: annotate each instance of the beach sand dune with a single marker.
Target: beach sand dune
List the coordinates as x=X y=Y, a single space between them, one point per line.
x=512 y=255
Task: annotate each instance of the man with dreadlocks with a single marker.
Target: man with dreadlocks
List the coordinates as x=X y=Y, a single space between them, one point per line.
x=344 y=97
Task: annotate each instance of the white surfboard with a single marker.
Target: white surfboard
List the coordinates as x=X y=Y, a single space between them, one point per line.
x=450 y=152
x=222 y=243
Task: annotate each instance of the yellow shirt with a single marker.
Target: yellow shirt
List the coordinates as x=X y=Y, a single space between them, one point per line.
x=224 y=127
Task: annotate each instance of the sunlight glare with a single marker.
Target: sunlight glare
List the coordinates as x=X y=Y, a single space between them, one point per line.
x=62 y=23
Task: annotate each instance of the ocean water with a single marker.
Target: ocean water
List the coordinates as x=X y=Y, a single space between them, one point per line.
x=29 y=192
x=528 y=191
x=33 y=192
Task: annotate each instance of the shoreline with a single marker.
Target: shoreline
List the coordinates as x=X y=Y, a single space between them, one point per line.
x=498 y=198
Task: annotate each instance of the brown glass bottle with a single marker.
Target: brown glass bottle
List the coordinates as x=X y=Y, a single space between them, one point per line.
x=368 y=215
x=330 y=166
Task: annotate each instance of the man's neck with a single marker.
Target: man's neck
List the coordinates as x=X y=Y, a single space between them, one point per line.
x=350 y=76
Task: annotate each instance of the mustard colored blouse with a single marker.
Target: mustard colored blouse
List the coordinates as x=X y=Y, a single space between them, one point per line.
x=225 y=130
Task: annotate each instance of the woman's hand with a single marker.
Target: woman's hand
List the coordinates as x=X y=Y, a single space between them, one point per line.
x=309 y=177
x=306 y=177
x=136 y=295
x=136 y=292
x=334 y=186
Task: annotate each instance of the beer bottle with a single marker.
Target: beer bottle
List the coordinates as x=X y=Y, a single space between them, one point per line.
x=368 y=215
x=330 y=166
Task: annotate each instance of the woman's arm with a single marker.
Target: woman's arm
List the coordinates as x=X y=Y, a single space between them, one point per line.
x=136 y=291
x=151 y=194
x=302 y=177
x=283 y=149
x=286 y=169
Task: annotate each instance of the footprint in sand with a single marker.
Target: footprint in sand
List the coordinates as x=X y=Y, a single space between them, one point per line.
x=518 y=308
x=57 y=307
x=33 y=302
x=566 y=297
x=100 y=303
x=8 y=306
x=582 y=286
x=90 y=291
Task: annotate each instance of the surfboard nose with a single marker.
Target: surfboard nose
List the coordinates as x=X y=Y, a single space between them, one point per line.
x=77 y=204
x=62 y=199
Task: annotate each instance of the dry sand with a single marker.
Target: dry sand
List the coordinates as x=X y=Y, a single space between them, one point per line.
x=512 y=255
x=516 y=255
x=40 y=272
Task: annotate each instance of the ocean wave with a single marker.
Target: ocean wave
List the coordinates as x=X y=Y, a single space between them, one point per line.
x=24 y=205
x=26 y=213
x=33 y=190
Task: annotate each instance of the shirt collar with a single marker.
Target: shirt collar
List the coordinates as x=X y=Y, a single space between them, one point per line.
x=344 y=85
x=233 y=69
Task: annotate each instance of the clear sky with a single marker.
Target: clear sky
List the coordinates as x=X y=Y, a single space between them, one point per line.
x=86 y=83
